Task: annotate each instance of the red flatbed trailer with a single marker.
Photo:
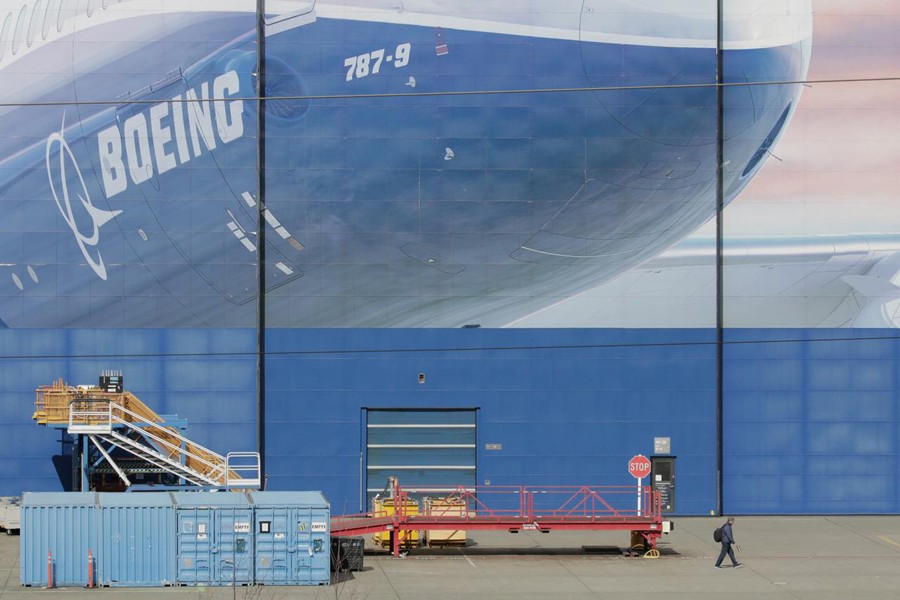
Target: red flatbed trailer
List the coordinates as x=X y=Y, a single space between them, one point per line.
x=520 y=508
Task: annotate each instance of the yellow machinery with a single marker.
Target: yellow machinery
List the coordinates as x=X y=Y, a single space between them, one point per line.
x=384 y=507
x=445 y=507
x=118 y=419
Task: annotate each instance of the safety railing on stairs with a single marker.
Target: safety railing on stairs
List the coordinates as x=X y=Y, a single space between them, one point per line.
x=90 y=416
x=170 y=450
x=145 y=453
x=242 y=469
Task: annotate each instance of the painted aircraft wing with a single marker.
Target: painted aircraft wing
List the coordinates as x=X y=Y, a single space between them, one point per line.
x=808 y=281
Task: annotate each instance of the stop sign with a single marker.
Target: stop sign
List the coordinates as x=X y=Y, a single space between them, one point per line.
x=639 y=466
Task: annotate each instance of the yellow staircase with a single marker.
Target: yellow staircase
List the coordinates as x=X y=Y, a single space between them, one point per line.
x=94 y=411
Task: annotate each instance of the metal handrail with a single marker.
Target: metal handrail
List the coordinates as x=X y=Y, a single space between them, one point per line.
x=579 y=507
x=253 y=467
x=176 y=449
x=129 y=445
x=89 y=421
x=582 y=502
x=215 y=474
x=170 y=431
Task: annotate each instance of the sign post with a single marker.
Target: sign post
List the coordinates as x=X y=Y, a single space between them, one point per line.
x=639 y=467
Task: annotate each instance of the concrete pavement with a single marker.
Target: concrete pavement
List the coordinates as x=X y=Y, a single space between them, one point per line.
x=786 y=558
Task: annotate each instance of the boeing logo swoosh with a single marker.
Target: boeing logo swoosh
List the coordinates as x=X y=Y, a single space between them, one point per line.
x=98 y=216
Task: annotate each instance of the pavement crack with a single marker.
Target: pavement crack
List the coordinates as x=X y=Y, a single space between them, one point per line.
x=479 y=571
x=879 y=541
x=576 y=577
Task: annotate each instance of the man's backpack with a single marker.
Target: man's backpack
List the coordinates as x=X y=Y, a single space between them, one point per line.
x=717 y=535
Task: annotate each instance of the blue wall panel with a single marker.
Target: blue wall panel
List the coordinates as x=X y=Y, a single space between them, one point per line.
x=811 y=422
x=205 y=375
x=569 y=407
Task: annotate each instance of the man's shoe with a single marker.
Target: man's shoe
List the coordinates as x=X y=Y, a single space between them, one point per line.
x=739 y=565
x=717 y=566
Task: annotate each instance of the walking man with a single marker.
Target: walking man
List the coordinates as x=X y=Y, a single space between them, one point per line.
x=727 y=541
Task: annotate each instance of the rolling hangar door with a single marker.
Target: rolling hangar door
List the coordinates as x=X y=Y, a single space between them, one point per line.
x=431 y=450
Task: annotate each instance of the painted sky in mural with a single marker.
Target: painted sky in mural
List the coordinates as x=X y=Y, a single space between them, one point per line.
x=812 y=241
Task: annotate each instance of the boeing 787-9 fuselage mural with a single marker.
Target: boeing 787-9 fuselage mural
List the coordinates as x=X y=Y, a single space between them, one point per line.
x=427 y=163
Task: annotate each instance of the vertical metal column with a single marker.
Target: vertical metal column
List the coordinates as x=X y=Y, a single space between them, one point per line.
x=720 y=206
x=261 y=235
x=83 y=449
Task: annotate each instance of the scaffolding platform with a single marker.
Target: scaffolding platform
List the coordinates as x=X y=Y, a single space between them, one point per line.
x=115 y=431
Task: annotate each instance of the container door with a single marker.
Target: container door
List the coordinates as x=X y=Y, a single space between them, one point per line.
x=137 y=545
x=195 y=546
x=233 y=546
x=66 y=532
x=273 y=546
x=303 y=546
x=313 y=542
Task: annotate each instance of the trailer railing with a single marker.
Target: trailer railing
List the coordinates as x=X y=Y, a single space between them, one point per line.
x=518 y=508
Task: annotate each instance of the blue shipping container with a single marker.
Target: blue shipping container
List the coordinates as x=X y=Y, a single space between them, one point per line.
x=215 y=538
x=129 y=535
x=137 y=545
x=187 y=538
x=63 y=525
x=293 y=538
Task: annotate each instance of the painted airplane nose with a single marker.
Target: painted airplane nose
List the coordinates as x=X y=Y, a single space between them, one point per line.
x=286 y=91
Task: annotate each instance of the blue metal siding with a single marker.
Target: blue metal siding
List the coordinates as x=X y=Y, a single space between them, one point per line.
x=63 y=524
x=274 y=548
x=171 y=370
x=196 y=562
x=130 y=536
x=569 y=407
x=312 y=560
x=295 y=549
x=158 y=538
x=214 y=539
x=137 y=542
x=810 y=426
x=233 y=529
x=811 y=422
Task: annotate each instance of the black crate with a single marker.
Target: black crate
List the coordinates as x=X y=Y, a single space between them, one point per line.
x=347 y=553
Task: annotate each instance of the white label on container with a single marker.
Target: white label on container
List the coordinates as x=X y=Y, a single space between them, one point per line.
x=201 y=536
x=279 y=536
x=319 y=527
x=242 y=527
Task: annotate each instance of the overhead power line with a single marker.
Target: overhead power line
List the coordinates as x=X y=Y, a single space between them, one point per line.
x=456 y=349
x=565 y=90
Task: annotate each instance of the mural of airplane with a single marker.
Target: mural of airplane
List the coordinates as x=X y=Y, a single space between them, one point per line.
x=769 y=282
x=414 y=177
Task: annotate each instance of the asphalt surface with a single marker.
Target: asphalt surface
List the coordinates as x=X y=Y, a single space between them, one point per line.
x=785 y=558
